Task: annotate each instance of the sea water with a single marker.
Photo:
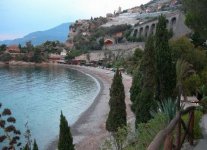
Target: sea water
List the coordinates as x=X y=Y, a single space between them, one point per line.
x=36 y=96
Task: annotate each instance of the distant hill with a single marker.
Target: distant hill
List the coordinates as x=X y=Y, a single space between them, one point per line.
x=59 y=33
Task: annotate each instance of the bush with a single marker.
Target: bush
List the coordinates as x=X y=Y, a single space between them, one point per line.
x=5 y=57
x=197 y=129
x=147 y=132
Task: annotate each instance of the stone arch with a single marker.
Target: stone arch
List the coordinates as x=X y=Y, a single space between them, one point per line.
x=140 y=31
x=167 y=23
x=146 y=33
x=152 y=29
x=173 y=21
x=135 y=33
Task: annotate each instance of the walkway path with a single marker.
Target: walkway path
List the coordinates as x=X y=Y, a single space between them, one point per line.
x=202 y=144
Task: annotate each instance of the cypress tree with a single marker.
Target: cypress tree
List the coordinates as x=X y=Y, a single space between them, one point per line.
x=165 y=69
x=117 y=114
x=135 y=89
x=35 y=147
x=144 y=100
x=26 y=147
x=65 y=138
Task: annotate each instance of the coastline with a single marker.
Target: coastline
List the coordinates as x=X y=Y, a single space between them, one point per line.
x=89 y=130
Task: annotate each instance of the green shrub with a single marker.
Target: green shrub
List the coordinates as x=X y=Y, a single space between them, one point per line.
x=197 y=119
x=147 y=132
x=5 y=57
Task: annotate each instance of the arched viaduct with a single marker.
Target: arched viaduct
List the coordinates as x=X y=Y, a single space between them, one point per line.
x=175 y=21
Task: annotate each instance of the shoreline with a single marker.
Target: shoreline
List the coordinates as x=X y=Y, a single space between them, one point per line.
x=84 y=115
x=89 y=129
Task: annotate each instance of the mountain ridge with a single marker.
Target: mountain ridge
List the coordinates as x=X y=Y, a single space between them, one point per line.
x=59 y=33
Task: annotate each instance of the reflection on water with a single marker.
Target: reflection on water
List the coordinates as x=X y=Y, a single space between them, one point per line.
x=37 y=95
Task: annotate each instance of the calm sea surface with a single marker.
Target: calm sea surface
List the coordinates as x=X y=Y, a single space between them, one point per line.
x=37 y=95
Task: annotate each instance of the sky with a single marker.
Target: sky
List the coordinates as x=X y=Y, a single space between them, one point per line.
x=20 y=17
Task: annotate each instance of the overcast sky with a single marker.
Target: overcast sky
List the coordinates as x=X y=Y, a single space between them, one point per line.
x=20 y=17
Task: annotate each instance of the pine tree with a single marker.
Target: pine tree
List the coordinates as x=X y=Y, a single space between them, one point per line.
x=165 y=69
x=35 y=147
x=65 y=138
x=117 y=114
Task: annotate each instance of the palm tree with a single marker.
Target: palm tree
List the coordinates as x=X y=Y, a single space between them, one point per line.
x=183 y=70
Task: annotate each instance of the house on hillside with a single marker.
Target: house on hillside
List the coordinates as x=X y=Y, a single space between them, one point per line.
x=108 y=41
x=13 y=49
x=54 y=58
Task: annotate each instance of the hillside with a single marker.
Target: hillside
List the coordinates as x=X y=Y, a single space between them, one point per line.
x=59 y=33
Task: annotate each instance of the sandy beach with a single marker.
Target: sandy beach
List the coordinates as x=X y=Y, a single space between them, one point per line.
x=89 y=130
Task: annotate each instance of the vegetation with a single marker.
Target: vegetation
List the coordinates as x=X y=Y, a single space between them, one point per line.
x=5 y=57
x=117 y=114
x=65 y=138
x=144 y=101
x=183 y=69
x=165 y=69
x=183 y=49
x=10 y=136
x=197 y=129
x=196 y=16
x=35 y=146
x=118 y=140
x=147 y=131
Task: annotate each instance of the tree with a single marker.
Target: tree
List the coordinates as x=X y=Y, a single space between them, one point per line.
x=35 y=147
x=37 y=57
x=183 y=49
x=117 y=114
x=183 y=69
x=65 y=138
x=2 y=47
x=196 y=16
x=165 y=69
x=197 y=40
x=144 y=101
x=135 y=89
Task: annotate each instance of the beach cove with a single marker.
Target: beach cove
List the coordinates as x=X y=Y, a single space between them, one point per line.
x=89 y=130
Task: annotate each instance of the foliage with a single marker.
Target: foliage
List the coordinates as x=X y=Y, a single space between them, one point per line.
x=27 y=136
x=197 y=129
x=35 y=147
x=9 y=134
x=65 y=138
x=117 y=139
x=135 y=88
x=165 y=69
x=143 y=85
x=37 y=57
x=117 y=114
x=196 y=16
x=183 y=70
x=118 y=28
x=183 y=49
x=5 y=57
x=2 y=48
x=147 y=131
x=72 y=54
x=131 y=64
x=192 y=84
x=143 y=104
x=166 y=107
x=197 y=40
